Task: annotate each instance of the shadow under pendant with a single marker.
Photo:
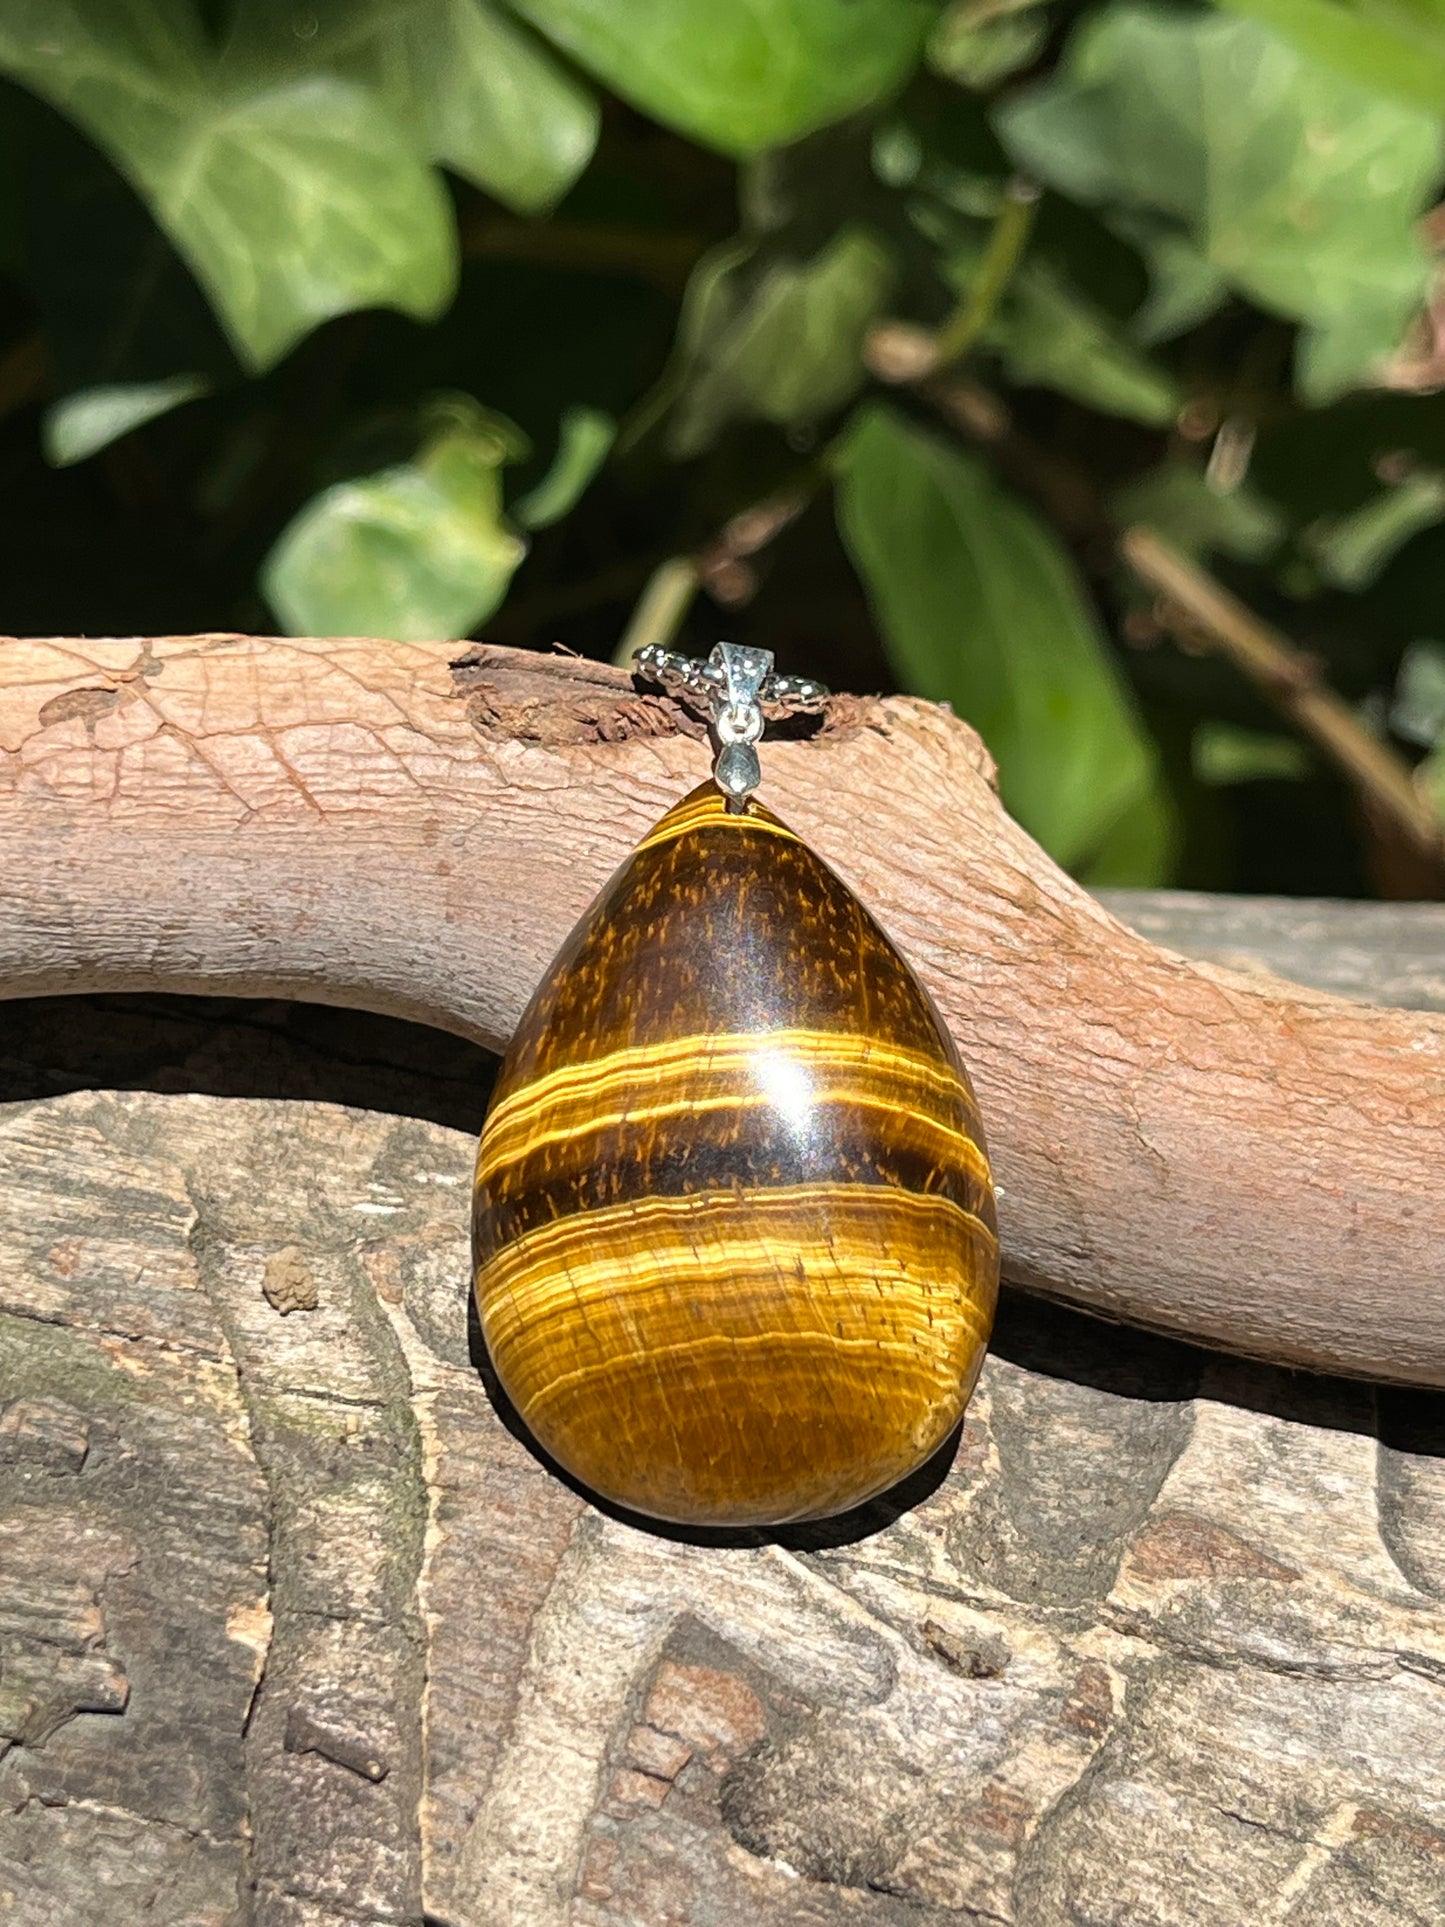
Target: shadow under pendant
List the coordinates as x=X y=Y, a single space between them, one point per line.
x=734 y=1232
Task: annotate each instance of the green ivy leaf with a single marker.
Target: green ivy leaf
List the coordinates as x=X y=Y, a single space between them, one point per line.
x=292 y=194
x=978 y=605
x=1184 y=287
x=1178 y=500
x=740 y=77
x=116 y=302
x=978 y=43
x=1417 y=709
x=778 y=341
x=1139 y=849
x=1353 y=549
x=80 y=425
x=1430 y=777
x=1392 y=46
x=1050 y=336
x=418 y=551
x=489 y=100
x=584 y=442
x=1223 y=754
x=1298 y=187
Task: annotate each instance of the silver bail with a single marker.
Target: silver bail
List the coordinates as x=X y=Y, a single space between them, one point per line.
x=738 y=718
x=744 y=670
x=737 y=771
x=735 y=686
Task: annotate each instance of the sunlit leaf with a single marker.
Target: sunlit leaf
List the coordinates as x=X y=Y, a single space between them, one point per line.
x=117 y=304
x=420 y=550
x=1430 y=778
x=294 y=196
x=740 y=75
x=980 y=42
x=1301 y=189
x=488 y=99
x=82 y=424
x=781 y=343
x=1344 y=350
x=1140 y=848
x=978 y=605
x=1184 y=287
x=1050 y=336
x=1223 y=754
x=1352 y=549
x=584 y=442
x=1391 y=46
x=1417 y=711
x=1178 y=500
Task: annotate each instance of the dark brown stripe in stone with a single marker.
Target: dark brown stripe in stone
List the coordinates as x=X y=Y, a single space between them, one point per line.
x=719 y=930
x=752 y=1149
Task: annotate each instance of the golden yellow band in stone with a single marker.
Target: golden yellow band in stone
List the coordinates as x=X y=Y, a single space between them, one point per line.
x=631 y=1087
x=893 y=1276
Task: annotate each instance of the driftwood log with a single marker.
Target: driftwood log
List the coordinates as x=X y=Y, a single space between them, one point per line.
x=369 y=823
x=294 y=1633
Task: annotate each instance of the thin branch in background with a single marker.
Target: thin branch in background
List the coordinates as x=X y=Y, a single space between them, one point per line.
x=1011 y=230
x=1191 y=603
x=721 y=567
x=663 y=259
x=24 y=373
x=661 y=608
x=901 y=353
x=1195 y=607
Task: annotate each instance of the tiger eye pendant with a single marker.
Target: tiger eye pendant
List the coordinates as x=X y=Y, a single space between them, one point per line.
x=736 y=1258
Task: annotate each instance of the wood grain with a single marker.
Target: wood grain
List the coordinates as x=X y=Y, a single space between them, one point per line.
x=296 y=1634
x=359 y=822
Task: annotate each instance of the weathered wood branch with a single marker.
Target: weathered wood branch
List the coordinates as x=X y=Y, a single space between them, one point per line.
x=294 y=1634
x=361 y=823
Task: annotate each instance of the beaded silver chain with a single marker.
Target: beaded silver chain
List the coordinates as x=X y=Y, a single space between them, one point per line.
x=738 y=691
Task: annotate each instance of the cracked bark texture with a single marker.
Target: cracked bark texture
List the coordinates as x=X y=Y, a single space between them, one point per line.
x=370 y=823
x=295 y=1633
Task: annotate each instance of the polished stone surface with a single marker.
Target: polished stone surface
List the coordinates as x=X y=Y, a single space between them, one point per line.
x=734 y=1225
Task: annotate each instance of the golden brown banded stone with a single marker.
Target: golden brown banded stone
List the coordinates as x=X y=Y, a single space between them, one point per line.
x=734 y=1227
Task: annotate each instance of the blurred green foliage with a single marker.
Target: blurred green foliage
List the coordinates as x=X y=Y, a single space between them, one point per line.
x=424 y=317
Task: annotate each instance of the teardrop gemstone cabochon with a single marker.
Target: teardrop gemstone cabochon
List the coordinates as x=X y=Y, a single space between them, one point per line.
x=736 y=1256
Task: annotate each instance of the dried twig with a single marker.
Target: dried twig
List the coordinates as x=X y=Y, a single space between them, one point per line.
x=1191 y=603
x=1195 y=607
x=1006 y=243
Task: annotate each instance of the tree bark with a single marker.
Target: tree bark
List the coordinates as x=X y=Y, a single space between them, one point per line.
x=293 y=1633
x=363 y=823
